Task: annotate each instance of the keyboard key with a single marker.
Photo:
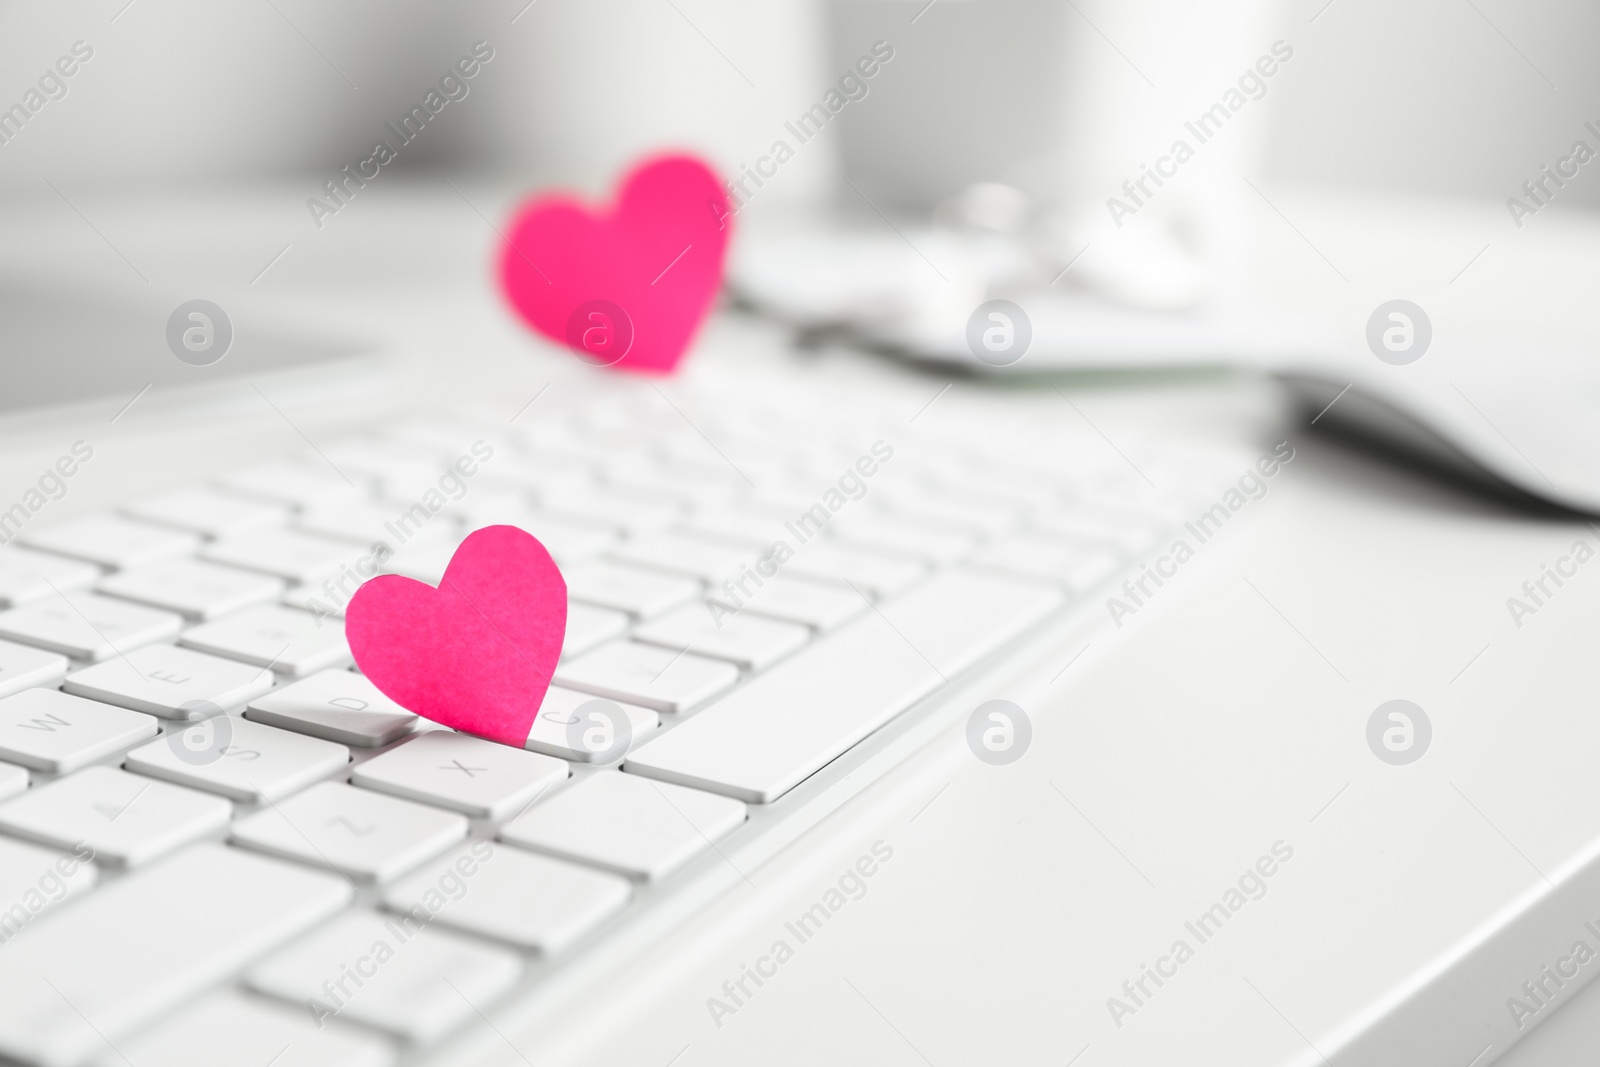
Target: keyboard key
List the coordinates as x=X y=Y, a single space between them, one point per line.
x=289 y=640
x=239 y=759
x=230 y=1027
x=448 y=435
x=22 y=668
x=422 y=482
x=28 y=576
x=627 y=824
x=478 y=778
x=489 y=503
x=926 y=541
x=193 y=588
x=630 y=511
x=297 y=485
x=567 y=540
x=997 y=475
x=687 y=481
x=696 y=557
x=314 y=598
x=364 y=835
x=111 y=541
x=337 y=706
x=426 y=556
x=13 y=781
x=87 y=626
x=771 y=734
x=788 y=503
x=534 y=902
x=1069 y=562
x=51 y=731
x=588 y=627
x=206 y=512
x=747 y=641
x=424 y=983
x=1111 y=527
x=169 y=681
x=819 y=605
x=559 y=711
x=651 y=677
x=929 y=506
x=639 y=592
x=752 y=528
x=116 y=960
x=877 y=574
x=128 y=820
x=388 y=464
x=291 y=555
x=380 y=454
x=36 y=879
x=357 y=520
x=554 y=459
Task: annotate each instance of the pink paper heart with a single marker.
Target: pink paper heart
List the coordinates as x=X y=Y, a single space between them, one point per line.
x=626 y=286
x=475 y=654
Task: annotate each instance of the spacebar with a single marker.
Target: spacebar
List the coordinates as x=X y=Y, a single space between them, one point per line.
x=145 y=944
x=768 y=736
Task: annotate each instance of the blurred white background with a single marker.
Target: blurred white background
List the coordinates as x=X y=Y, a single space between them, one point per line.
x=1427 y=95
x=1377 y=163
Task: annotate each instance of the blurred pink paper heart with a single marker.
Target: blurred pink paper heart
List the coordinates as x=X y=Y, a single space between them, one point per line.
x=475 y=654
x=628 y=285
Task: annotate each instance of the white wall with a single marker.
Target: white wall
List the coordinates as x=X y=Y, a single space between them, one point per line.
x=1413 y=94
x=1428 y=94
x=184 y=90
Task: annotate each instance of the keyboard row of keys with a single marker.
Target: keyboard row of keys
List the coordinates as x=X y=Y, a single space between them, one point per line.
x=206 y=512
x=110 y=541
x=87 y=626
x=874 y=547
x=194 y=589
x=122 y=956
x=130 y=821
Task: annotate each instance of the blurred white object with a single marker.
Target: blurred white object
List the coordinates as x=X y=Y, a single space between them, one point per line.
x=1027 y=117
x=822 y=274
x=1073 y=332
x=1143 y=266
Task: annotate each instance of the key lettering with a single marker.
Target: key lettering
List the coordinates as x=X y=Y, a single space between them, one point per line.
x=44 y=723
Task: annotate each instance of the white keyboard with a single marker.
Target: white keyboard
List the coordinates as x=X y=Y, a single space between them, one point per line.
x=183 y=884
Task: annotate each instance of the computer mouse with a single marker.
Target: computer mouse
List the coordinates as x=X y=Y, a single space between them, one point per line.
x=1529 y=425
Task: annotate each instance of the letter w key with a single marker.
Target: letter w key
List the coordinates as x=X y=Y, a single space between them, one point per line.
x=44 y=723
